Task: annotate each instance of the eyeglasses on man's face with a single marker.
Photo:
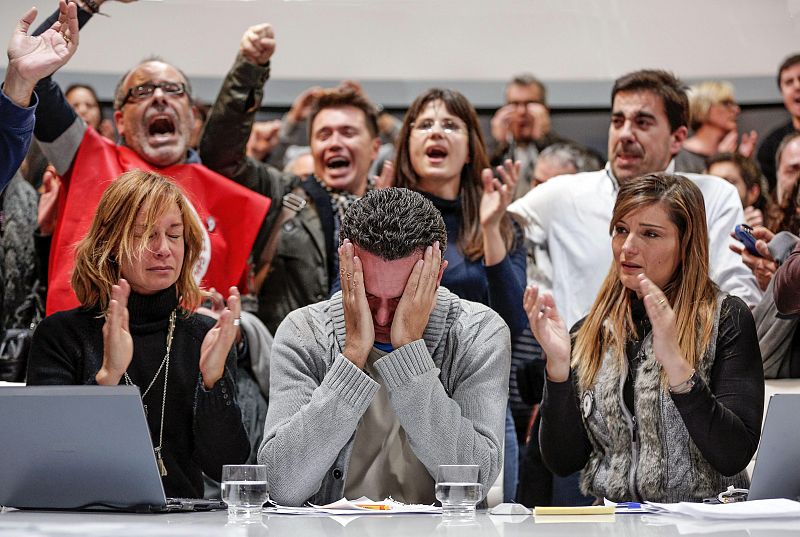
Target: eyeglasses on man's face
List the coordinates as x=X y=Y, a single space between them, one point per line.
x=448 y=126
x=146 y=90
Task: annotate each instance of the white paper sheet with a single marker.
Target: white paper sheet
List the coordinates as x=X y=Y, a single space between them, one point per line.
x=357 y=507
x=755 y=509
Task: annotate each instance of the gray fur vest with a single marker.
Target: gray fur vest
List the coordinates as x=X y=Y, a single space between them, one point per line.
x=648 y=455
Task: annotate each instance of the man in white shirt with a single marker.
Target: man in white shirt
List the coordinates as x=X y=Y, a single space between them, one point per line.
x=649 y=121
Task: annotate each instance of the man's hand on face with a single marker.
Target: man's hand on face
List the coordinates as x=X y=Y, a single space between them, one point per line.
x=359 y=330
x=419 y=298
x=501 y=121
x=258 y=44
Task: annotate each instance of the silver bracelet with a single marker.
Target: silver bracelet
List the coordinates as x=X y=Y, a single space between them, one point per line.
x=685 y=386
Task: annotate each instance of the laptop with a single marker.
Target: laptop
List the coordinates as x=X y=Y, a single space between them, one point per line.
x=81 y=447
x=776 y=473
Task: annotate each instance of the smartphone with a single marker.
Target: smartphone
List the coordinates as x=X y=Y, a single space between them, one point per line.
x=744 y=234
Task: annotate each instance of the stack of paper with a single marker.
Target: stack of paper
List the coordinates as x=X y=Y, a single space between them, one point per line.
x=361 y=506
x=750 y=510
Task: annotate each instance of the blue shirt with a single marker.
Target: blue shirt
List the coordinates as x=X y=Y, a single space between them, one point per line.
x=16 y=132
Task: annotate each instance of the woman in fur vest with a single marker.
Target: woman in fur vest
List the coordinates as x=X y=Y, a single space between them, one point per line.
x=658 y=393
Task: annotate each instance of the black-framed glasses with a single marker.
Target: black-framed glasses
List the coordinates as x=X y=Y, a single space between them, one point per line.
x=143 y=91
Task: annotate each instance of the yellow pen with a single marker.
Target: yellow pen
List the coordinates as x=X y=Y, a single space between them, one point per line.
x=377 y=507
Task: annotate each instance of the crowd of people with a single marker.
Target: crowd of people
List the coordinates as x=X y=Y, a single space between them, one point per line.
x=353 y=299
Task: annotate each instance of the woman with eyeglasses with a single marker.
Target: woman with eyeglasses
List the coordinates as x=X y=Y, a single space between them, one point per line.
x=136 y=326
x=713 y=112
x=441 y=154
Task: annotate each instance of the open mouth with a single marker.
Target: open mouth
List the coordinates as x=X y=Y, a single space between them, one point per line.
x=161 y=126
x=337 y=162
x=436 y=153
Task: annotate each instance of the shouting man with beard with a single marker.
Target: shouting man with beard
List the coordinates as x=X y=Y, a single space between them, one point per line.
x=649 y=118
x=154 y=115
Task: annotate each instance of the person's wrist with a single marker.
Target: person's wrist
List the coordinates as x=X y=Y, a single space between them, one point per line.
x=17 y=89
x=105 y=377
x=356 y=354
x=557 y=373
x=210 y=378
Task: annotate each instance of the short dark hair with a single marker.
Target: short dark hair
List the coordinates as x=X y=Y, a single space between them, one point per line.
x=791 y=61
x=527 y=79
x=393 y=223
x=120 y=93
x=662 y=83
x=748 y=168
x=338 y=98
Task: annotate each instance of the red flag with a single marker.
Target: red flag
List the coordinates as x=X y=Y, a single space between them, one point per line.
x=231 y=215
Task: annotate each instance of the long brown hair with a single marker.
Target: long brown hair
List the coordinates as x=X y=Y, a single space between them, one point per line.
x=690 y=292
x=98 y=257
x=471 y=239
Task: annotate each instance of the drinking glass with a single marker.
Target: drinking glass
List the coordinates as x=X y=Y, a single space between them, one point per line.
x=458 y=489
x=244 y=489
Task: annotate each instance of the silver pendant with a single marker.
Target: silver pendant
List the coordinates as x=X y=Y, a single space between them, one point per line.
x=587 y=404
x=162 y=469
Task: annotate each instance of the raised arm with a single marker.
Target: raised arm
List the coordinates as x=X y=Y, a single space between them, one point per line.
x=505 y=268
x=224 y=141
x=31 y=58
x=58 y=129
x=723 y=213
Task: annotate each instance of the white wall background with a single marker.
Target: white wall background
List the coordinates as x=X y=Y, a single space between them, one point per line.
x=398 y=46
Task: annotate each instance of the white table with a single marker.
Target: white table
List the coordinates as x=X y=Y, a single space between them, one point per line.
x=47 y=524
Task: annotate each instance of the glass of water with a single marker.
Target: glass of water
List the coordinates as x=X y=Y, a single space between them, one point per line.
x=458 y=489
x=244 y=489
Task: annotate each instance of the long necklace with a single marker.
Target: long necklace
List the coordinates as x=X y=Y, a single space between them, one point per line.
x=165 y=366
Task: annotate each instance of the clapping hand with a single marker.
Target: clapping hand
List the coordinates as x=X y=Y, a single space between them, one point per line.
x=258 y=44
x=498 y=196
x=386 y=178
x=48 y=207
x=218 y=341
x=117 y=341
x=665 y=334
x=31 y=58
x=419 y=298
x=501 y=120
x=550 y=331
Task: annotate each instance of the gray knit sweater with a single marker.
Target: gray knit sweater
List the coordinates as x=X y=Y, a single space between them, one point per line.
x=449 y=391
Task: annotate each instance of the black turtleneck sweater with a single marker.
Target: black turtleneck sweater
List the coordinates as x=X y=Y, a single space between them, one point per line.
x=723 y=416
x=498 y=286
x=202 y=428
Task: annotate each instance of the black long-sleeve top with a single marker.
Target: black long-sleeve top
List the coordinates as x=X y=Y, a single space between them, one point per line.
x=499 y=286
x=202 y=428
x=723 y=417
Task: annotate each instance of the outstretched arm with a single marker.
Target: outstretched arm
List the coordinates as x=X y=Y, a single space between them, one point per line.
x=30 y=58
x=224 y=141
x=58 y=128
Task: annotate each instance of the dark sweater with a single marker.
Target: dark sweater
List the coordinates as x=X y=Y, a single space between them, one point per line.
x=202 y=428
x=499 y=286
x=723 y=418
